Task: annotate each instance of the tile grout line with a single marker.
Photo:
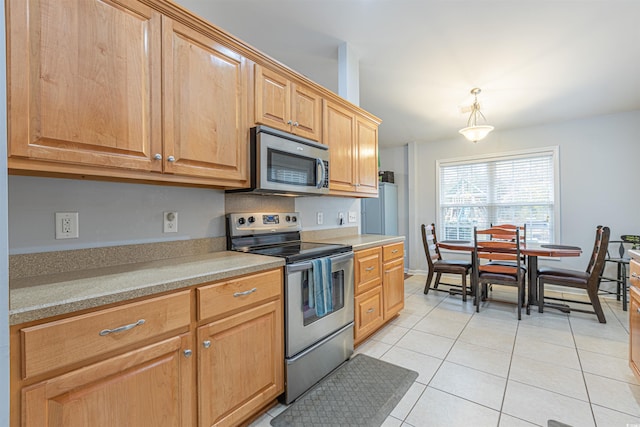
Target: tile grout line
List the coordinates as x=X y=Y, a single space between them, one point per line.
x=584 y=379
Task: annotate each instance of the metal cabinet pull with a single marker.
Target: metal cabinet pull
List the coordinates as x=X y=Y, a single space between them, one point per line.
x=395 y=251
x=371 y=310
x=104 y=332
x=171 y=159
x=158 y=156
x=289 y=122
x=295 y=124
x=638 y=310
x=187 y=353
x=634 y=275
x=206 y=344
x=250 y=291
x=369 y=269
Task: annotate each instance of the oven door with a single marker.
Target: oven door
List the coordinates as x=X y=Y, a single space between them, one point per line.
x=303 y=326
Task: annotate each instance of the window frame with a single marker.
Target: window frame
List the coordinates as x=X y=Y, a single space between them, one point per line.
x=553 y=151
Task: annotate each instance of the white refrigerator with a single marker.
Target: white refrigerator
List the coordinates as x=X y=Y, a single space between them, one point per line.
x=380 y=216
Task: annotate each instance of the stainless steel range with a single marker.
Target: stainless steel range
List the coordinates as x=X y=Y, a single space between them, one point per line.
x=318 y=294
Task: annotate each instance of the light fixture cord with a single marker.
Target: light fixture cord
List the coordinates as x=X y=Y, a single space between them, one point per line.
x=475 y=110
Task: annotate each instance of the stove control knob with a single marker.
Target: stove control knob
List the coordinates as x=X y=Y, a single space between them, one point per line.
x=294 y=219
x=287 y=218
x=251 y=220
x=241 y=221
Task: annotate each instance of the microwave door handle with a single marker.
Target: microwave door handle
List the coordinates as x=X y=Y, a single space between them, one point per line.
x=320 y=166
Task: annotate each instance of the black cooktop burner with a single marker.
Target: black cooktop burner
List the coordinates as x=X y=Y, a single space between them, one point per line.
x=301 y=251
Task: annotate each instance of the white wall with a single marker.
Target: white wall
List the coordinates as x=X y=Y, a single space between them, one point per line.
x=4 y=264
x=110 y=213
x=598 y=158
x=330 y=207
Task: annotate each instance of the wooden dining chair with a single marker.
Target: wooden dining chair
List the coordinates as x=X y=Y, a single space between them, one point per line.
x=618 y=255
x=503 y=263
x=589 y=280
x=440 y=266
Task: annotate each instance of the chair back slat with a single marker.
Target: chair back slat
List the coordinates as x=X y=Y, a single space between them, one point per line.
x=430 y=244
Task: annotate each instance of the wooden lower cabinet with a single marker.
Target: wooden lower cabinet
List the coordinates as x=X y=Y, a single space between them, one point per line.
x=149 y=386
x=240 y=364
x=634 y=314
x=162 y=363
x=369 y=314
x=379 y=287
x=393 y=287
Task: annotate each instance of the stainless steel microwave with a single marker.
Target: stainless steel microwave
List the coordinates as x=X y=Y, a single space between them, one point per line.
x=282 y=163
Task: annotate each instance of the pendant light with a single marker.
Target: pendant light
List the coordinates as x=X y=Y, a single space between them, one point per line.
x=475 y=132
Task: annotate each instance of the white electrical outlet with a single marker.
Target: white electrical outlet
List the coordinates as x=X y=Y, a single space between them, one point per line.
x=340 y=218
x=170 y=221
x=353 y=216
x=320 y=218
x=67 y=225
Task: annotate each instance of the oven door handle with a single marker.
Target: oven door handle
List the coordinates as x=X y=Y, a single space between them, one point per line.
x=306 y=265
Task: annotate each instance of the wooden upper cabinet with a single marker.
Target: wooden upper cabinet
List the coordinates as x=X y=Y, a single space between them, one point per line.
x=339 y=134
x=288 y=106
x=367 y=148
x=206 y=130
x=79 y=93
x=353 y=151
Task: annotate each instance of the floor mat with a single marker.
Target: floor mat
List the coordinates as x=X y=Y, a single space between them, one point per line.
x=362 y=392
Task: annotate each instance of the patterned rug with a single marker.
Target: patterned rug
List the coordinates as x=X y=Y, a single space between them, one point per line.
x=361 y=392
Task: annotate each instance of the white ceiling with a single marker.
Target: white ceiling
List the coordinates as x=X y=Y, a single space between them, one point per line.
x=537 y=61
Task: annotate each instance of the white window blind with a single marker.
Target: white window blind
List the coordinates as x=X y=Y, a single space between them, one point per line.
x=514 y=189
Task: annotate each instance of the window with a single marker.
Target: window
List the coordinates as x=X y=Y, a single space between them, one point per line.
x=517 y=188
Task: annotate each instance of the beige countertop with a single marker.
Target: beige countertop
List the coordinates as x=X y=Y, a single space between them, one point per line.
x=364 y=241
x=34 y=298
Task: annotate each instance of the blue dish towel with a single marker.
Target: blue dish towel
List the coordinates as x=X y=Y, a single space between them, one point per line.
x=321 y=288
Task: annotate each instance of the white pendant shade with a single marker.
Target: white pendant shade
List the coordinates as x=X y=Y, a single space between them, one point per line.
x=476 y=133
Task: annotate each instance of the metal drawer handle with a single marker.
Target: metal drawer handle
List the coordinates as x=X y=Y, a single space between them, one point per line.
x=250 y=291
x=638 y=310
x=369 y=269
x=188 y=353
x=371 y=310
x=104 y=332
x=634 y=275
x=395 y=251
x=206 y=344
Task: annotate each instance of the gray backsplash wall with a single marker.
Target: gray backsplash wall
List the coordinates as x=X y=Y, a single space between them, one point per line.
x=113 y=213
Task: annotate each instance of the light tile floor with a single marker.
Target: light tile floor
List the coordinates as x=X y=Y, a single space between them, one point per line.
x=489 y=369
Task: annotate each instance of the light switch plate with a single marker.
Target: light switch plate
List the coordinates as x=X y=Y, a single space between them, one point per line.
x=353 y=216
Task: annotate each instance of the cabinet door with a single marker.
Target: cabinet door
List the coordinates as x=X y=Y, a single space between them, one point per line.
x=150 y=386
x=367 y=159
x=205 y=90
x=393 y=288
x=272 y=99
x=306 y=113
x=85 y=82
x=339 y=133
x=369 y=314
x=240 y=364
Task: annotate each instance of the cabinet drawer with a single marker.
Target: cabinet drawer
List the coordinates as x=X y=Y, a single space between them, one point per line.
x=57 y=344
x=368 y=269
x=368 y=312
x=227 y=296
x=634 y=273
x=392 y=251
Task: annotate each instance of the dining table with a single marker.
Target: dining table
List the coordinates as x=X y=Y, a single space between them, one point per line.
x=531 y=250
